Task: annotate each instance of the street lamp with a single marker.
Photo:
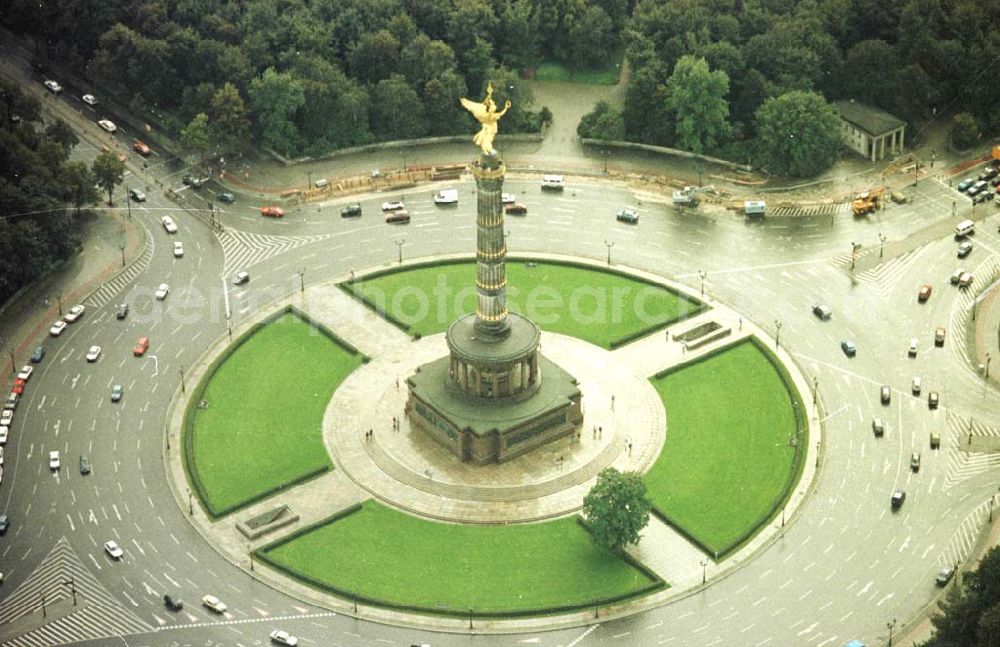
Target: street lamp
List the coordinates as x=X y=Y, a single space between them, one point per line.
x=403 y=152
x=399 y=245
x=891 y=625
x=815 y=388
x=702 y=275
x=72 y=586
x=190 y=503
x=182 y=378
x=987 y=365
x=59 y=303
x=121 y=248
x=881 y=244
x=854 y=251
x=609 y=245
x=777 y=333
x=704 y=565
x=302 y=280
x=250 y=553
x=606 y=153
x=309 y=182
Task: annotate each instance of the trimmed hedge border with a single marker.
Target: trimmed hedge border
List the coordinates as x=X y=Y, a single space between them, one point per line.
x=699 y=306
x=261 y=554
x=797 y=462
x=198 y=392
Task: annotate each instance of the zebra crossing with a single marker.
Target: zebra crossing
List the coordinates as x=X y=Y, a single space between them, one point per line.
x=781 y=211
x=884 y=277
x=965 y=537
x=95 y=615
x=113 y=287
x=965 y=465
x=241 y=249
x=961 y=313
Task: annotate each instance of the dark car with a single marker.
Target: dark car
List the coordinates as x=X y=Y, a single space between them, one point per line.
x=886 y=394
x=932 y=400
x=117 y=392
x=898 y=497
x=924 y=293
x=173 y=601
x=227 y=197
x=915 y=461
x=121 y=311
x=822 y=311
x=4 y=524
x=878 y=426
x=193 y=181
x=984 y=196
x=944 y=575
x=515 y=209
x=351 y=211
x=38 y=355
x=849 y=348
x=988 y=173
x=84 y=464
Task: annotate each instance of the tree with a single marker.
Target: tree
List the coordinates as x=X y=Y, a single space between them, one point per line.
x=441 y=99
x=616 y=508
x=228 y=117
x=60 y=132
x=275 y=97
x=374 y=57
x=964 y=132
x=590 y=38
x=970 y=610
x=78 y=183
x=603 y=122
x=798 y=134
x=197 y=137
x=697 y=97
x=397 y=112
x=109 y=172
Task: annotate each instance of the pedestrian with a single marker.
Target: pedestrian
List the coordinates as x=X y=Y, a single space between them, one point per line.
x=741 y=323
x=612 y=401
x=595 y=431
x=630 y=448
x=397 y=382
x=600 y=432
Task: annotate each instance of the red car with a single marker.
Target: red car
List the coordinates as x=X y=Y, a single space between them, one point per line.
x=273 y=212
x=925 y=293
x=141 y=148
x=399 y=215
x=18 y=387
x=516 y=208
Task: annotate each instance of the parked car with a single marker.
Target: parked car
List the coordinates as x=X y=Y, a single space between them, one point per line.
x=107 y=125
x=169 y=224
x=241 y=278
x=932 y=400
x=178 y=249
x=193 y=181
x=885 y=394
x=515 y=209
x=964 y=185
x=822 y=311
x=878 y=426
x=983 y=196
x=214 y=603
x=628 y=215
x=89 y=99
x=173 y=601
x=84 y=464
x=58 y=328
x=26 y=372
x=4 y=432
x=924 y=293
x=94 y=353
x=965 y=280
x=976 y=188
x=898 y=497
x=117 y=392
x=944 y=575
x=939 y=336
x=162 y=291
x=915 y=461
x=113 y=550
x=964 y=248
x=140 y=147
x=281 y=637
x=849 y=348
x=272 y=212
x=121 y=311
x=74 y=313
x=227 y=197
x=53 y=86
x=392 y=205
x=988 y=173
x=38 y=354
x=351 y=211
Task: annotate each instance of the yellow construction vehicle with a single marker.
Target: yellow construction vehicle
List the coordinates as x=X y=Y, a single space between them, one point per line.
x=867 y=201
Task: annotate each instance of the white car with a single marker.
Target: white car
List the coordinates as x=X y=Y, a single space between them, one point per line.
x=1 y=455
x=4 y=431
x=107 y=125
x=178 y=249
x=446 y=196
x=53 y=86
x=161 y=292
x=282 y=637
x=913 y=347
x=393 y=205
x=241 y=278
x=58 y=328
x=214 y=603
x=916 y=385
x=169 y=224
x=89 y=99
x=74 y=313
x=26 y=372
x=93 y=353
x=508 y=198
x=113 y=550
x=6 y=417
x=54 y=460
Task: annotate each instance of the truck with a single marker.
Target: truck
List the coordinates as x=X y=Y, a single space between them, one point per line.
x=446 y=196
x=688 y=196
x=867 y=201
x=754 y=208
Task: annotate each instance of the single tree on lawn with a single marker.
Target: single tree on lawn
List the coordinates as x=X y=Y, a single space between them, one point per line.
x=109 y=171
x=616 y=508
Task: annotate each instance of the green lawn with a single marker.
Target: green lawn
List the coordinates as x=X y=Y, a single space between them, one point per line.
x=552 y=71
x=381 y=554
x=599 y=307
x=726 y=458
x=262 y=426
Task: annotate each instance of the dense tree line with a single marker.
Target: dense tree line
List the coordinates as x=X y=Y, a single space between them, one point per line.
x=970 y=613
x=702 y=72
x=41 y=191
x=306 y=76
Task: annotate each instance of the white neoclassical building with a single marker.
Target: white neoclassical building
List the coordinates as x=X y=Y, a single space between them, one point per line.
x=869 y=131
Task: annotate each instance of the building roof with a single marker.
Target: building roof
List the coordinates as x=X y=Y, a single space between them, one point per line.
x=873 y=121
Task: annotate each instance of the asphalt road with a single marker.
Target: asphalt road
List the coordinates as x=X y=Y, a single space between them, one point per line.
x=844 y=567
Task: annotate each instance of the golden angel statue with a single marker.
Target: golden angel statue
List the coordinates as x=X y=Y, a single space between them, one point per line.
x=486 y=113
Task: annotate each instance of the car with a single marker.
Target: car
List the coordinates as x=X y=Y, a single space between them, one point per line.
x=393 y=205
x=117 y=392
x=944 y=575
x=924 y=293
x=173 y=601
x=849 y=348
x=822 y=311
x=964 y=248
x=26 y=372
x=446 y=196
x=983 y=196
x=916 y=385
x=74 y=313
x=988 y=173
x=508 y=198
x=965 y=280
x=351 y=211
x=898 y=497
x=227 y=197
x=137 y=195
x=121 y=311
x=94 y=353
x=4 y=432
x=885 y=394
x=281 y=637
x=214 y=603
x=141 y=147
x=193 y=181
x=939 y=336
x=976 y=188
x=58 y=328
x=89 y=99
x=935 y=440
x=6 y=417
x=965 y=184
x=957 y=275
x=169 y=224
x=84 y=464
x=178 y=249
x=107 y=125
x=915 y=461
x=140 y=347
x=932 y=400
x=53 y=86
x=4 y=524
x=113 y=550
x=162 y=291
x=19 y=386
x=553 y=182
x=54 y=459
x=38 y=354
x=912 y=352
x=11 y=401
x=628 y=215
x=516 y=209
x=397 y=216
x=120 y=154
x=272 y=212
x=878 y=426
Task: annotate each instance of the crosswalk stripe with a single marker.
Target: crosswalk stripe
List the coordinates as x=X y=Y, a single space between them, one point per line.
x=242 y=249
